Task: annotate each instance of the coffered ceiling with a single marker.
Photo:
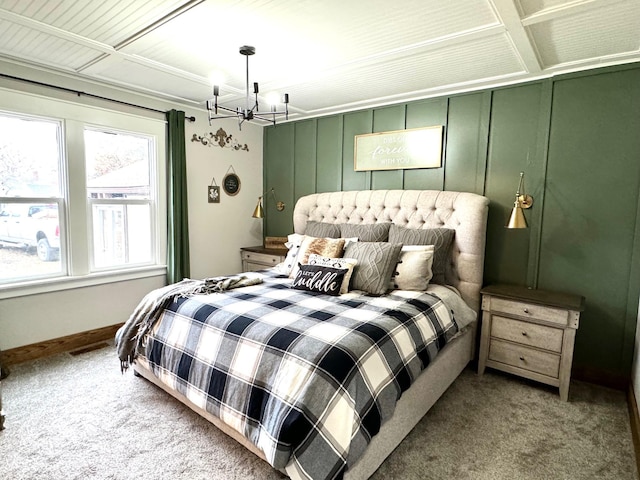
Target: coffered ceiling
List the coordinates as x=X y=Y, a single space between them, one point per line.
x=329 y=55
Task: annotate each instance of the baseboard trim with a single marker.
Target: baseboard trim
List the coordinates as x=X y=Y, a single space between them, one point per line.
x=57 y=345
x=634 y=417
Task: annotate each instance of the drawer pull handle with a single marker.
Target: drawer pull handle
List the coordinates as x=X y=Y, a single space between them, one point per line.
x=526 y=310
x=524 y=334
x=522 y=359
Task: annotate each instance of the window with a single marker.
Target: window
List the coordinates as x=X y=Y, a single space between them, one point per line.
x=82 y=194
x=119 y=193
x=30 y=198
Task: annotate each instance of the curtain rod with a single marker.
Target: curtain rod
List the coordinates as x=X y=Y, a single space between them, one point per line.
x=91 y=95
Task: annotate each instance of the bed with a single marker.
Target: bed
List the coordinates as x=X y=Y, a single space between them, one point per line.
x=341 y=417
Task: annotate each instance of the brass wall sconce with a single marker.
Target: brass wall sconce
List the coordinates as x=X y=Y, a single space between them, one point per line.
x=522 y=201
x=259 y=211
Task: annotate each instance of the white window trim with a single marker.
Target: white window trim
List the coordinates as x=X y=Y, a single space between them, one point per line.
x=75 y=117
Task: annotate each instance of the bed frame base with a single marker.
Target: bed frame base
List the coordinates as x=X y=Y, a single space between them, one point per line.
x=410 y=409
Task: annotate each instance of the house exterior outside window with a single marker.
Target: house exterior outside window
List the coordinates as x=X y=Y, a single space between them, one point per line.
x=82 y=195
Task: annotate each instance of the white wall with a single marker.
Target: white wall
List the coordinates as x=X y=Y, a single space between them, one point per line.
x=45 y=316
x=218 y=230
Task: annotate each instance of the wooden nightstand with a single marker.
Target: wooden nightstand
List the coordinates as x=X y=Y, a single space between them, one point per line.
x=259 y=258
x=530 y=333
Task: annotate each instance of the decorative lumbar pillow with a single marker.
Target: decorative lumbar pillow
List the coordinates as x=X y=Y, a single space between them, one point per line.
x=369 y=232
x=413 y=270
x=376 y=263
x=322 y=229
x=326 y=247
x=440 y=238
x=320 y=279
x=345 y=263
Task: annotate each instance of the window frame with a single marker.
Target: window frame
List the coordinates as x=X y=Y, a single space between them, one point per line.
x=152 y=202
x=74 y=212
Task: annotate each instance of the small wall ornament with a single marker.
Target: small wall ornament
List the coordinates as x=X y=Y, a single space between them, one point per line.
x=220 y=139
x=213 y=192
x=231 y=182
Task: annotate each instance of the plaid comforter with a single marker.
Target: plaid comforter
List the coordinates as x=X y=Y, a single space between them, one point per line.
x=307 y=378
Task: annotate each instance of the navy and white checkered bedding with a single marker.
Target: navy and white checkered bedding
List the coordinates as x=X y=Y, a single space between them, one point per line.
x=307 y=378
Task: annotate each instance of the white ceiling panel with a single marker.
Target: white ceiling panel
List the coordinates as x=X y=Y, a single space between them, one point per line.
x=109 y=22
x=40 y=47
x=415 y=74
x=529 y=7
x=329 y=56
x=142 y=77
x=289 y=36
x=598 y=33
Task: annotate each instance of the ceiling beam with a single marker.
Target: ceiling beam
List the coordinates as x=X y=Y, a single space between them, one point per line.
x=508 y=13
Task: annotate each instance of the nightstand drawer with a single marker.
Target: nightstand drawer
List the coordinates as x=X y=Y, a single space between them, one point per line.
x=541 y=336
x=525 y=358
x=261 y=258
x=530 y=310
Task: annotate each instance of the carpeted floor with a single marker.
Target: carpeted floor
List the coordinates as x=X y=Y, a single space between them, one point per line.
x=77 y=417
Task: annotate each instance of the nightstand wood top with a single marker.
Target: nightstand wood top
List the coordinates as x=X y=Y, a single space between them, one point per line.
x=267 y=251
x=543 y=297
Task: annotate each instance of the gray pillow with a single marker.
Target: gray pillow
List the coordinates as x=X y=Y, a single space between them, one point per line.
x=376 y=263
x=440 y=238
x=322 y=230
x=370 y=232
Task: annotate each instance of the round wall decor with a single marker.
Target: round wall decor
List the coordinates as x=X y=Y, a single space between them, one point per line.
x=231 y=184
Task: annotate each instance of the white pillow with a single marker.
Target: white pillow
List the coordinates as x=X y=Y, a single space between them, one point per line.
x=413 y=270
x=293 y=243
x=344 y=263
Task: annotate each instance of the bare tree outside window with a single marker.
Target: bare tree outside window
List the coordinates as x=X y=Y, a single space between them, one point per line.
x=30 y=197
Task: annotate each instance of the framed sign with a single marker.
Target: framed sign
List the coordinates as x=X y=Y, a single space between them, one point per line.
x=231 y=184
x=213 y=194
x=213 y=191
x=399 y=149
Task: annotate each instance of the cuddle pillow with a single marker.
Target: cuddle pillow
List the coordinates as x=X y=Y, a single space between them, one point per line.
x=413 y=270
x=440 y=238
x=322 y=229
x=345 y=263
x=316 y=278
x=376 y=263
x=370 y=232
x=326 y=247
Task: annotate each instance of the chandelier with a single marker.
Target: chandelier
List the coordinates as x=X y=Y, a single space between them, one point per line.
x=247 y=113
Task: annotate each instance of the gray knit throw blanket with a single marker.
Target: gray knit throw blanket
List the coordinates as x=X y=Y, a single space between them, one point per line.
x=129 y=337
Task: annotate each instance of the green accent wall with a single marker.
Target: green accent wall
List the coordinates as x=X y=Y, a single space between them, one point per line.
x=576 y=137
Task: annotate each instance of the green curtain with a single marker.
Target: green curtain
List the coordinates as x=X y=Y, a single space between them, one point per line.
x=177 y=218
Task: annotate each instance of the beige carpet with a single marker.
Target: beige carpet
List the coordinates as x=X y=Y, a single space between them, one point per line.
x=77 y=417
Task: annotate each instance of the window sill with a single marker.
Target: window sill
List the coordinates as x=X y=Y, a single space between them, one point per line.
x=68 y=283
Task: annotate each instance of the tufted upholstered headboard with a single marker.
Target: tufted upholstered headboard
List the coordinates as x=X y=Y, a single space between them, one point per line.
x=466 y=213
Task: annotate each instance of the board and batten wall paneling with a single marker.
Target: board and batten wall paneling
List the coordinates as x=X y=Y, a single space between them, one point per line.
x=577 y=138
x=329 y=160
x=279 y=174
x=590 y=210
x=467 y=139
x=385 y=120
x=512 y=149
x=356 y=123
x=427 y=114
x=304 y=168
